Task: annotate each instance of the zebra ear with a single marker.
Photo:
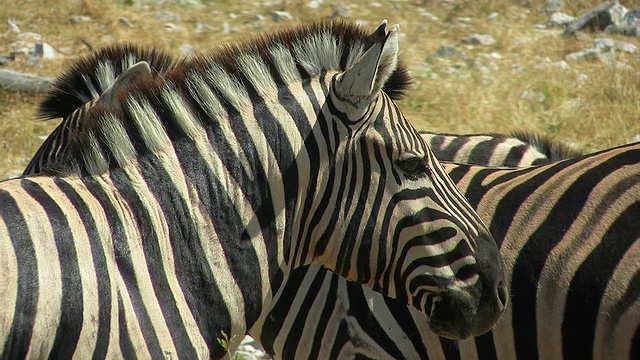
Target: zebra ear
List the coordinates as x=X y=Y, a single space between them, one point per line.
x=128 y=77
x=365 y=78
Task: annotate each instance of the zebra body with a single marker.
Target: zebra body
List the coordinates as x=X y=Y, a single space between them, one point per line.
x=197 y=189
x=569 y=237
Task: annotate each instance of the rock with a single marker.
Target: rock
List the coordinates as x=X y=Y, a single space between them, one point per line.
x=533 y=95
x=593 y=54
x=447 y=51
x=29 y=36
x=173 y=27
x=314 y=4
x=44 y=51
x=598 y=18
x=552 y=6
x=342 y=11
x=12 y=25
x=632 y=18
x=562 y=65
x=281 y=15
x=626 y=47
x=636 y=138
x=560 y=19
x=583 y=77
x=79 y=19
x=478 y=39
x=629 y=30
x=604 y=44
x=187 y=49
x=124 y=21
x=430 y=16
x=493 y=16
x=166 y=16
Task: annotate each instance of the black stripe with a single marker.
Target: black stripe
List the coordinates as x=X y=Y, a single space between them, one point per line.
x=126 y=345
x=590 y=281
x=482 y=152
x=154 y=258
x=71 y=309
x=100 y=267
x=124 y=263
x=16 y=345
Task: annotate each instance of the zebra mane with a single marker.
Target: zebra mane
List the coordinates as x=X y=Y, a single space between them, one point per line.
x=91 y=76
x=151 y=112
x=555 y=150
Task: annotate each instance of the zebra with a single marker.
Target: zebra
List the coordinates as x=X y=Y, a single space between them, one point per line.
x=569 y=236
x=184 y=199
x=516 y=149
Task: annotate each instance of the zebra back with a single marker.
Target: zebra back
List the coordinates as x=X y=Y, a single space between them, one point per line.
x=517 y=149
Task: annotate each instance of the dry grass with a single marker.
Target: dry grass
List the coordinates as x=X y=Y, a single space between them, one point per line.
x=600 y=112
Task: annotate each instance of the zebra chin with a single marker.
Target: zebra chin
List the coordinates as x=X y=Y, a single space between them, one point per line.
x=470 y=306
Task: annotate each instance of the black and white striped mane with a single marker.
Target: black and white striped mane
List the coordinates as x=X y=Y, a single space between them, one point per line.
x=112 y=132
x=553 y=149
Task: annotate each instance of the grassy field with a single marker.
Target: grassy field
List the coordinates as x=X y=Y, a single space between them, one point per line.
x=592 y=105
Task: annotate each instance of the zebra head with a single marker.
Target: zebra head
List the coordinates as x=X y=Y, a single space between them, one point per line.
x=440 y=257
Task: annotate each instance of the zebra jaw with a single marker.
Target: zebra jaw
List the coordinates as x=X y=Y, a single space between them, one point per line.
x=360 y=83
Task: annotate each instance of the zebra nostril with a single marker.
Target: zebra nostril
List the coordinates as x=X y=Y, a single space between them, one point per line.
x=503 y=295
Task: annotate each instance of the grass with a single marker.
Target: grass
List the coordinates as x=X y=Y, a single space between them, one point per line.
x=593 y=105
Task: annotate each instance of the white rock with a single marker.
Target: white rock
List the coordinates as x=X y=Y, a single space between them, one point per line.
x=636 y=138
x=44 y=51
x=626 y=47
x=12 y=25
x=166 y=16
x=562 y=65
x=604 y=44
x=281 y=15
x=29 y=36
x=79 y=19
x=124 y=21
x=478 y=39
x=560 y=19
x=533 y=95
x=493 y=16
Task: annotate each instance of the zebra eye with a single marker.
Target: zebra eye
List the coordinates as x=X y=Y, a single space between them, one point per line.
x=414 y=166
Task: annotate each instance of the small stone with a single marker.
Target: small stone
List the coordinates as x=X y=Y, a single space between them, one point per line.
x=430 y=16
x=562 y=65
x=281 y=15
x=560 y=19
x=583 y=77
x=465 y=19
x=173 y=27
x=604 y=44
x=583 y=37
x=124 y=21
x=12 y=25
x=166 y=16
x=447 y=51
x=342 y=11
x=626 y=47
x=533 y=95
x=588 y=55
x=44 y=51
x=30 y=36
x=478 y=39
x=187 y=49
x=79 y=19
x=314 y=4
x=636 y=138
x=539 y=26
x=552 y=6
x=226 y=27
x=632 y=18
x=493 y=16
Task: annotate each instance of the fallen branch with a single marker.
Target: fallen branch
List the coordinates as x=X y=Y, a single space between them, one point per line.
x=17 y=81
